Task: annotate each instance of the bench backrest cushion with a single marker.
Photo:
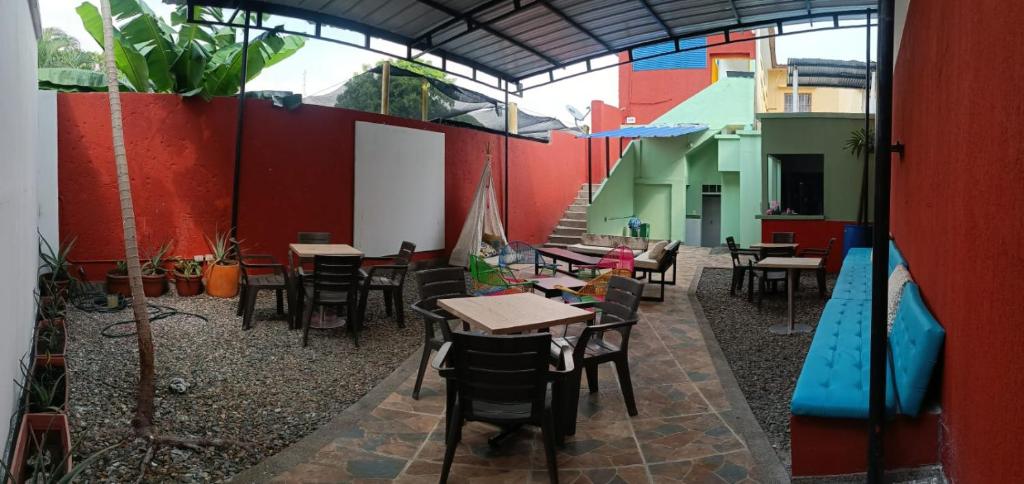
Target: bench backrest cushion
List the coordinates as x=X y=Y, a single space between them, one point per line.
x=612 y=241
x=916 y=341
x=895 y=257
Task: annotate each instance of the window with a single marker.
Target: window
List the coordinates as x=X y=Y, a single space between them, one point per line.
x=805 y=102
x=711 y=188
x=802 y=183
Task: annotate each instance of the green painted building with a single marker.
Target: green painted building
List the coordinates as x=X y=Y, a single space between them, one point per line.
x=700 y=187
x=806 y=167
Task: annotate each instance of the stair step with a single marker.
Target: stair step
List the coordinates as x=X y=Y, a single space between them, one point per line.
x=574 y=231
x=568 y=222
x=569 y=214
x=564 y=239
x=555 y=244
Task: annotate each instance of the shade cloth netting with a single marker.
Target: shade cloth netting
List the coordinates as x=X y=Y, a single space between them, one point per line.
x=482 y=223
x=447 y=103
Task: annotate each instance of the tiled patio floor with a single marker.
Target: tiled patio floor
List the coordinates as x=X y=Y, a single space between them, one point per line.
x=685 y=430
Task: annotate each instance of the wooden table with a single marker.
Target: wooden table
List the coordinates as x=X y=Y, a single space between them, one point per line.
x=568 y=256
x=305 y=253
x=791 y=265
x=547 y=285
x=514 y=313
x=774 y=245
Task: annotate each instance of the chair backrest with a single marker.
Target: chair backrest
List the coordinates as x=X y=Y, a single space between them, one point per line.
x=485 y=274
x=733 y=250
x=437 y=284
x=828 y=249
x=314 y=237
x=783 y=237
x=669 y=256
x=517 y=252
x=500 y=371
x=242 y=266
x=403 y=258
x=622 y=298
x=620 y=257
x=336 y=273
x=405 y=253
x=777 y=252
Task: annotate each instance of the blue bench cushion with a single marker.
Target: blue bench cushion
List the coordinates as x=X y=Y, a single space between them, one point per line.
x=895 y=257
x=854 y=282
x=916 y=340
x=834 y=381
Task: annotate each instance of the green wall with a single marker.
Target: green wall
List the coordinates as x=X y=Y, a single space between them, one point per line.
x=825 y=134
x=615 y=198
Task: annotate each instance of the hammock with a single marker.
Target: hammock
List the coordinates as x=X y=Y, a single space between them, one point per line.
x=482 y=223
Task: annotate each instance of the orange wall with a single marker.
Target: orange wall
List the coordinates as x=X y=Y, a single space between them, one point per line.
x=297 y=174
x=958 y=217
x=649 y=94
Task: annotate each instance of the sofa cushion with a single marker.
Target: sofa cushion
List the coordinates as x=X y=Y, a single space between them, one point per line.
x=834 y=381
x=854 y=282
x=895 y=257
x=897 y=280
x=596 y=249
x=915 y=342
x=657 y=250
x=637 y=244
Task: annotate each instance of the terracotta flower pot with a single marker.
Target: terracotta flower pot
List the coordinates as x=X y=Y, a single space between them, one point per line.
x=222 y=280
x=48 y=286
x=52 y=369
x=44 y=349
x=154 y=285
x=48 y=428
x=117 y=283
x=188 y=285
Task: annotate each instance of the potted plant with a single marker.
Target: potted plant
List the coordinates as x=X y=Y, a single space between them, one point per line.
x=188 y=277
x=50 y=334
x=154 y=276
x=222 y=272
x=54 y=279
x=46 y=388
x=42 y=451
x=117 y=280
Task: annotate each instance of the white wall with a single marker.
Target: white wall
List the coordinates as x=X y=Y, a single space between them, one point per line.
x=18 y=203
x=46 y=165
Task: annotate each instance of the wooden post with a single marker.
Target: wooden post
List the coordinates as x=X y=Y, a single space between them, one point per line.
x=513 y=118
x=385 y=86
x=424 y=95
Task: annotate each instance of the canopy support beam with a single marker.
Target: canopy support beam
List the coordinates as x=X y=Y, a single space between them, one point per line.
x=239 y=129
x=880 y=250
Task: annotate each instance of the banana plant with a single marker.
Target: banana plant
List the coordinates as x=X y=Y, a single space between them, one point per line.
x=185 y=58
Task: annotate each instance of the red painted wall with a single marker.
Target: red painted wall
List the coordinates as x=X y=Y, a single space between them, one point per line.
x=958 y=217
x=297 y=173
x=811 y=234
x=649 y=94
x=604 y=117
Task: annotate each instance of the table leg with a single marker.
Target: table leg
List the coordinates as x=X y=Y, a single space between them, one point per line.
x=790 y=326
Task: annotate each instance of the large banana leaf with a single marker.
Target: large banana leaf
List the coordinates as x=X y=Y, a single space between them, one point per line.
x=129 y=60
x=189 y=68
x=149 y=34
x=289 y=45
x=71 y=80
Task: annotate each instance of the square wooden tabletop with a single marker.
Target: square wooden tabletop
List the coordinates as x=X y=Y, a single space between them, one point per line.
x=514 y=313
x=307 y=251
x=789 y=263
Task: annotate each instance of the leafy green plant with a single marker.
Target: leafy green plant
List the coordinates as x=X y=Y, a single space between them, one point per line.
x=223 y=248
x=188 y=267
x=120 y=268
x=57 y=49
x=153 y=264
x=45 y=469
x=50 y=339
x=185 y=58
x=51 y=307
x=46 y=388
x=362 y=92
x=55 y=261
x=858 y=141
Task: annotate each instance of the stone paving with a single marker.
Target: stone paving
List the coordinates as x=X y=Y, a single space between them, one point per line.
x=686 y=430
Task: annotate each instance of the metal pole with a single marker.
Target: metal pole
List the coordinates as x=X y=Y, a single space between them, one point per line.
x=590 y=174
x=880 y=257
x=863 y=211
x=607 y=158
x=506 y=159
x=796 y=90
x=240 y=129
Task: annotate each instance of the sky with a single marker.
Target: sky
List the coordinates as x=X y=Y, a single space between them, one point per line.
x=321 y=66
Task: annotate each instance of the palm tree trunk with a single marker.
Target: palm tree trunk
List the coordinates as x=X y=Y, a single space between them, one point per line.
x=144 y=399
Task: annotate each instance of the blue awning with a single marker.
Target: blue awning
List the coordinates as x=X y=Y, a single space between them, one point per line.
x=658 y=131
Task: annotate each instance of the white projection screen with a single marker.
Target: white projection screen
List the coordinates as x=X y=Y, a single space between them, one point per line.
x=399 y=189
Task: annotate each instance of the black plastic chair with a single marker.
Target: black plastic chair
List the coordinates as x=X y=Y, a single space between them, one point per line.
x=255 y=277
x=389 y=279
x=767 y=278
x=336 y=281
x=820 y=272
x=436 y=284
x=503 y=381
x=314 y=237
x=616 y=313
x=739 y=266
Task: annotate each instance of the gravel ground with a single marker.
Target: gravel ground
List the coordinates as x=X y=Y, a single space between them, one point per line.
x=259 y=386
x=765 y=365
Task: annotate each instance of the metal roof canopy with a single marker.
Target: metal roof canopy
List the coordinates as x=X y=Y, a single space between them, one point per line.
x=652 y=131
x=512 y=41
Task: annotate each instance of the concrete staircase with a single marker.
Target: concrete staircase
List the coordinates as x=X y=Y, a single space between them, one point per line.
x=574 y=221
